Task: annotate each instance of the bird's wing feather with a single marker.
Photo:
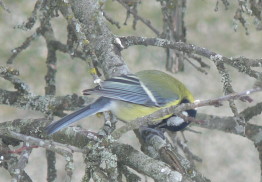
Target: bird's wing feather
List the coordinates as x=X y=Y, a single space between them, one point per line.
x=127 y=88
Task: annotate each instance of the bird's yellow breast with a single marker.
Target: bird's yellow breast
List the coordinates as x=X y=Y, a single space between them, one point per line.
x=128 y=111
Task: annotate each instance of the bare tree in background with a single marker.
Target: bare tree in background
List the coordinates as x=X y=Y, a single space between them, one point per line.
x=90 y=39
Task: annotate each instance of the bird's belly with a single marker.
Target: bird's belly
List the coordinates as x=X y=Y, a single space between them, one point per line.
x=128 y=111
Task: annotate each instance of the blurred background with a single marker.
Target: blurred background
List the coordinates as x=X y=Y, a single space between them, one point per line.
x=226 y=157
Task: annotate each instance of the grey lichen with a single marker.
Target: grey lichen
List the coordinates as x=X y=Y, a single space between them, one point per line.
x=108 y=160
x=240 y=129
x=173 y=175
x=257 y=138
x=69 y=167
x=216 y=57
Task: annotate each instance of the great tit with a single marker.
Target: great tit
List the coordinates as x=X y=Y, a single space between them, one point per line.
x=132 y=96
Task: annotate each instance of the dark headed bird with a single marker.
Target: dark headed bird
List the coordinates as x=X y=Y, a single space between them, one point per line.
x=133 y=96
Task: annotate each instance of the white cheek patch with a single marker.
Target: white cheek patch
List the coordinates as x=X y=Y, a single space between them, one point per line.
x=175 y=121
x=185 y=113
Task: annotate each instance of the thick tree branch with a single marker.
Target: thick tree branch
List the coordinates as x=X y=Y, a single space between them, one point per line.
x=92 y=25
x=43 y=103
x=144 y=164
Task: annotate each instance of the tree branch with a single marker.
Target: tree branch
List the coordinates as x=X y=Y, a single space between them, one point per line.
x=241 y=66
x=146 y=120
x=136 y=160
x=92 y=25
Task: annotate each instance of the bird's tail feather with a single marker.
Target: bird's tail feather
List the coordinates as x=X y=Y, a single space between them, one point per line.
x=100 y=105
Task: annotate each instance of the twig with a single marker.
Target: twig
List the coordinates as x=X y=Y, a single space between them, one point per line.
x=69 y=167
x=146 y=22
x=226 y=84
x=196 y=67
x=10 y=74
x=225 y=2
x=2 y=4
x=21 y=149
x=109 y=19
x=62 y=149
x=10 y=164
x=199 y=60
x=50 y=88
x=19 y=167
x=22 y=47
x=31 y=19
x=239 y=17
x=177 y=109
x=51 y=59
x=251 y=112
x=51 y=169
x=87 y=174
x=187 y=151
x=65 y=49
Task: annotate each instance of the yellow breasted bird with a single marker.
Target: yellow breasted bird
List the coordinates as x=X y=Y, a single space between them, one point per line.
x=132 y=96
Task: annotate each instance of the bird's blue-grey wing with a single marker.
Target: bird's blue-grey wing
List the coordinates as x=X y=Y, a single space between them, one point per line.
x=126 y=88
